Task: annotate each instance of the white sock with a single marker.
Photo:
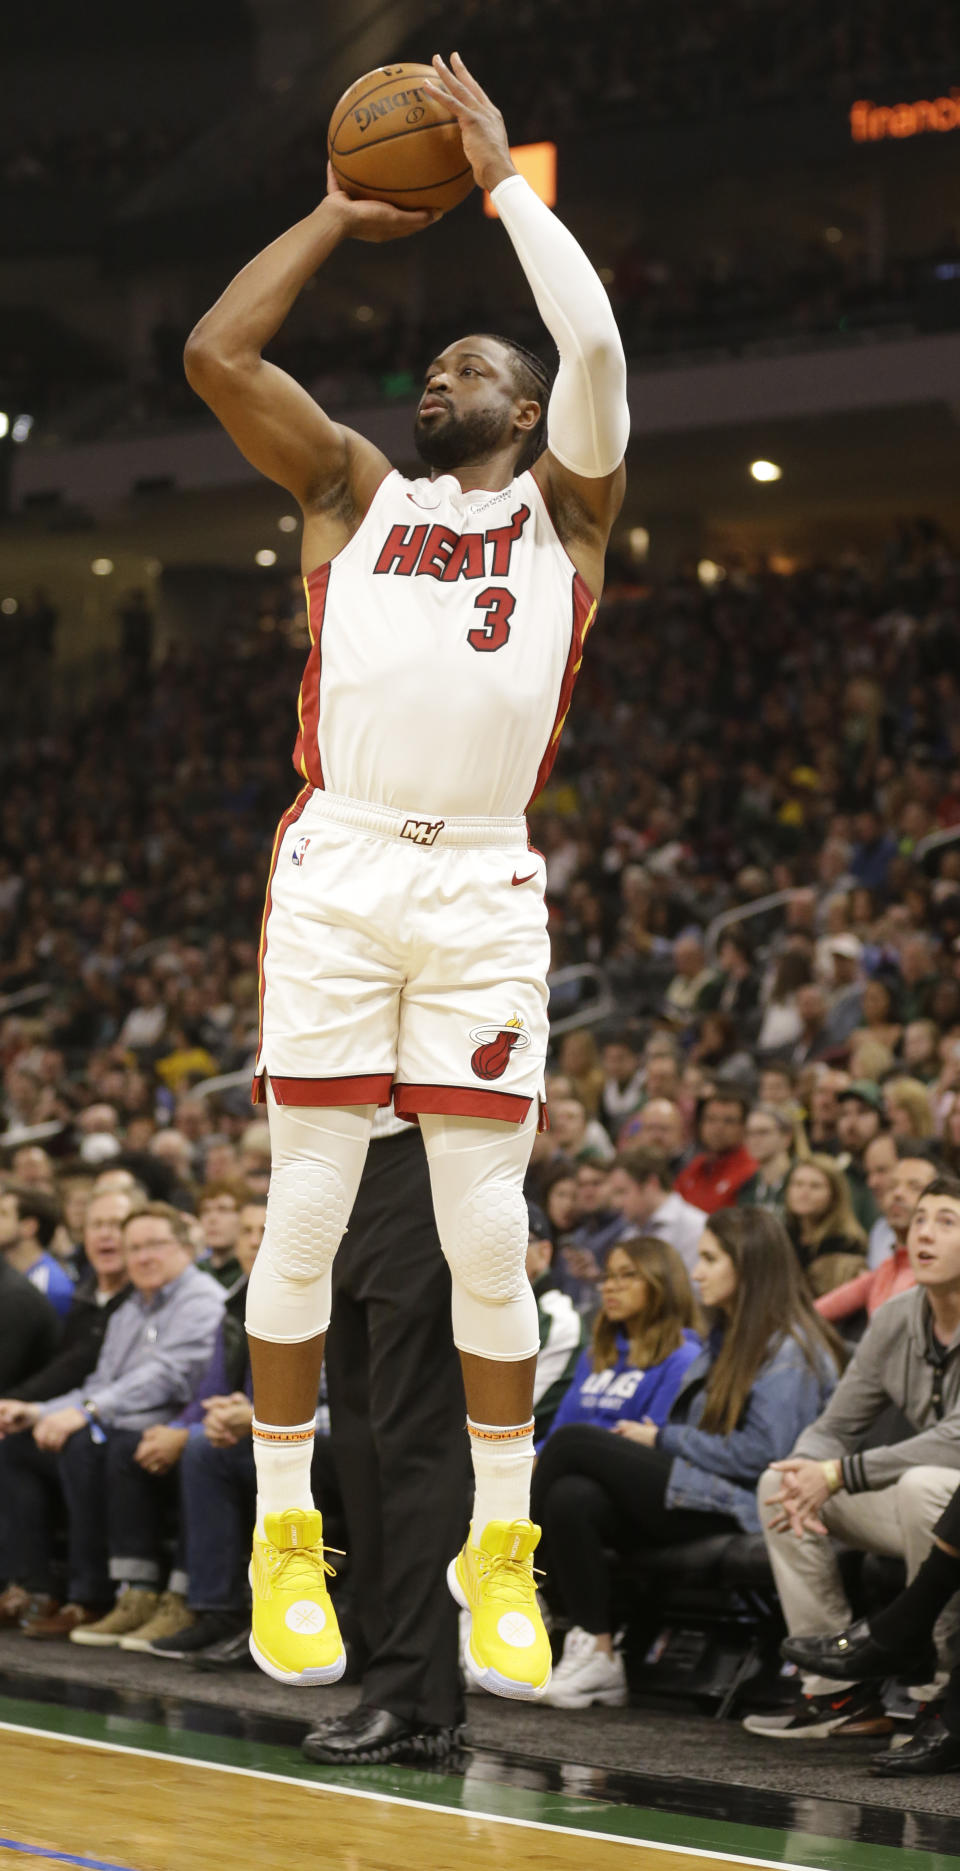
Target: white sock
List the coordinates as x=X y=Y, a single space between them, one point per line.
x=283 y=1453
x=502 y=1458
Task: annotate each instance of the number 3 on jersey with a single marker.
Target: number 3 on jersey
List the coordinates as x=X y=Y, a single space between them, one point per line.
x=499 y=605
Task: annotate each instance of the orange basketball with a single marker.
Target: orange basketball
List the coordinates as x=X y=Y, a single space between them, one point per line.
x=389 y=141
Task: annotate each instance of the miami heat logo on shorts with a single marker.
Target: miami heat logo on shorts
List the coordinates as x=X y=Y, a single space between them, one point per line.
x=496 y=1043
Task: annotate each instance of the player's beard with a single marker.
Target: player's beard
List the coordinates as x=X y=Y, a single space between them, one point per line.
x=451 y=441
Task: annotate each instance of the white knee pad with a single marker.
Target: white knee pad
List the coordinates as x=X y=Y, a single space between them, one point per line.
x=476 y=1173
x=318 y=1157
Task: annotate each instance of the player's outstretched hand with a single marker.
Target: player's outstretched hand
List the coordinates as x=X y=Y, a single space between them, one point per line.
x=482 y=128
x=376 y=220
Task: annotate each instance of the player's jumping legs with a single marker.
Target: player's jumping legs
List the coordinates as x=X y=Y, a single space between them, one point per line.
x=477 y=1168
x=317 y=1161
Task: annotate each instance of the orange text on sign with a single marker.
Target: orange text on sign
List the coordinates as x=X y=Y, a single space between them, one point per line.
x=870 y=123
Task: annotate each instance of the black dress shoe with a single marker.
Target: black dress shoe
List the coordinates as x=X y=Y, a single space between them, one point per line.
x=368 y=1735
x=231 y=1653
x=854 y=1656
x=932 y=1750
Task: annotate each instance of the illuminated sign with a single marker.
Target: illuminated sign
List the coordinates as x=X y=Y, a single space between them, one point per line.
x=537 y=163
x=871 y=123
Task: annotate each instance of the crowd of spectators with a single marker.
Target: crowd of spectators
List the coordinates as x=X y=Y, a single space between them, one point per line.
x=714 y=58
x=724 y=1203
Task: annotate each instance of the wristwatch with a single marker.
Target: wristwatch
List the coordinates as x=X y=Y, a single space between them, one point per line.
x=92 y=1415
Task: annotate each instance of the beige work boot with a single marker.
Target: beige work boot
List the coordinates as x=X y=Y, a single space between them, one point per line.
x=172 y=1615
x=132 y=1609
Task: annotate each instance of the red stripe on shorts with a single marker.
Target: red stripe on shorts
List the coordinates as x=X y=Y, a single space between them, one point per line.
x=365 y=1088
x=459 y=1101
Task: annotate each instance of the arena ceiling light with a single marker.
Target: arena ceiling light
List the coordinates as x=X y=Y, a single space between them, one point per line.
x=266 y=556
x=4 y=424
x=765 y=470
x=101 y=568
x=288 y=522
x=709 y=572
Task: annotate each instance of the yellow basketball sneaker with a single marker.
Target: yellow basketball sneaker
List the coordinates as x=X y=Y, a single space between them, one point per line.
x=508 y=1650
x=295 y=1636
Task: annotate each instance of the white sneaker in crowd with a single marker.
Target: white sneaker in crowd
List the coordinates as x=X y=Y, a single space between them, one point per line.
x=586 y=1674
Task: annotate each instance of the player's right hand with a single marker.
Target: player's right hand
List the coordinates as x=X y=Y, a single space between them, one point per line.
x=376 y=220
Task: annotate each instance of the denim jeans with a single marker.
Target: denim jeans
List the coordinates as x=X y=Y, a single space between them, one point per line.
x=118 y=1515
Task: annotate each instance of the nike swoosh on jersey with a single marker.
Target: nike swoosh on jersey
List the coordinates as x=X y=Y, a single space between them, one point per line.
x=522 y=880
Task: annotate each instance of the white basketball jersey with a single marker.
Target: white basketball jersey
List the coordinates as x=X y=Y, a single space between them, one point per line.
x=445 y=642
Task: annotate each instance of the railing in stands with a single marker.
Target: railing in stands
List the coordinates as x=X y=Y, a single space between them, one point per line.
x=566 y=987
x=731 y=919
x=25 y=997
x=935 y=841
x=225 y=1081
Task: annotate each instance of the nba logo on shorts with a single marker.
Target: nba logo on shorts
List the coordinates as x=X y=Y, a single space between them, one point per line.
x=299 y=851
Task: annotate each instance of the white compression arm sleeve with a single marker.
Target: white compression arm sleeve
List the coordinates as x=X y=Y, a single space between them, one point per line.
x=588 y=424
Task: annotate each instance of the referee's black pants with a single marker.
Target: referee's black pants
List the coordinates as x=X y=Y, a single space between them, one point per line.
x=398 y=1435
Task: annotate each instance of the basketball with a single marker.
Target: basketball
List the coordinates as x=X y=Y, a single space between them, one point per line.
x=389 y=141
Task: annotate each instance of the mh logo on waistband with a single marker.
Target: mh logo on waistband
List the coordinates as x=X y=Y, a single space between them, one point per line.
x=422 y=831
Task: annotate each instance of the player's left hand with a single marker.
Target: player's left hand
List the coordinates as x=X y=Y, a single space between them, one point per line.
x=482 y=128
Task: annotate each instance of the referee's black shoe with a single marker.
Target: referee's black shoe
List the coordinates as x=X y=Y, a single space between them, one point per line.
x=369 y=1736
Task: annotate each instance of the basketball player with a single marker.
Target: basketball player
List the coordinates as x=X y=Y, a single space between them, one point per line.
x=404 y=944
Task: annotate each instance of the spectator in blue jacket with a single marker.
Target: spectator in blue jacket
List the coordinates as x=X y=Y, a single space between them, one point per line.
x=765 y=1372
x=28 y=1222
x=643 y=1340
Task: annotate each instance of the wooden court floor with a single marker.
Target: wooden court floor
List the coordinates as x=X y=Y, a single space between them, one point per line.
x=111 y=1788
x=133 y=1813
x=92 y=1806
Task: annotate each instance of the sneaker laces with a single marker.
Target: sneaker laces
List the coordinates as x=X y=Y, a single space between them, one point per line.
x=511 y=1579
x=296 y=1568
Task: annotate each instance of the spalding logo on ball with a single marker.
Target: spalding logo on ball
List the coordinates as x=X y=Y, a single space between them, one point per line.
x=496 y=1045
x=389 y=141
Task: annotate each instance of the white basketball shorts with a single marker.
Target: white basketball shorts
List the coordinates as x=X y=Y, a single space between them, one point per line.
x=403 y=956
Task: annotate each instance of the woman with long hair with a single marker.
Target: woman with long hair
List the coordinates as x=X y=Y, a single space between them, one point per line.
x=643 y=1339
x=909 y=1110
x=766 y=1370
x=879 y=1015
x=827 y=1238
x=781 y=1024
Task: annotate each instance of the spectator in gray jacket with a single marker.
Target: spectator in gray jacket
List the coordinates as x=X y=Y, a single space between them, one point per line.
x=884 y=1499
x=156 y=1349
